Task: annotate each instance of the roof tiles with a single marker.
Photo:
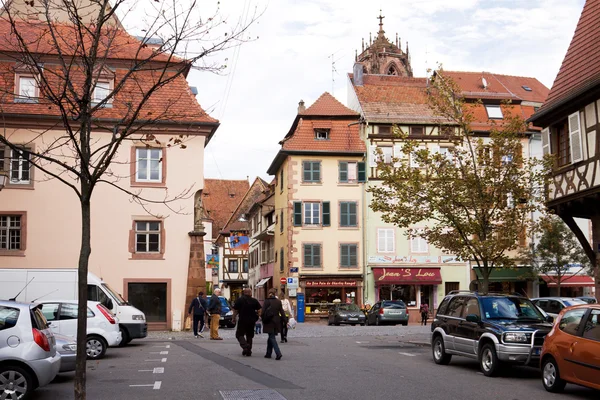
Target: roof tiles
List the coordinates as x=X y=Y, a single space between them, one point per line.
x=327 y=105
x=220 y=198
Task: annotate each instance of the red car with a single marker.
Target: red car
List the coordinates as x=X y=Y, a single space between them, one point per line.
x=571 y=352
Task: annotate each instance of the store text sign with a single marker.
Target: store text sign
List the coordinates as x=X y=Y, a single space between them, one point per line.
x=400 y=275
x=340 y=283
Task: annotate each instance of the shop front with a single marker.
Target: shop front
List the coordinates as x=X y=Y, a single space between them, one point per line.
x=508 y=280
x=571 y=285
x=412 y=285
x=322 y=293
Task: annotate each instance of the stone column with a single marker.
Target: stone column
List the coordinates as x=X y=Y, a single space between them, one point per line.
x=196 y=279
x=596 y=248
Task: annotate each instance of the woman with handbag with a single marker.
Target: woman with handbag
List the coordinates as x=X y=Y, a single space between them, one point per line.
x=287 y=309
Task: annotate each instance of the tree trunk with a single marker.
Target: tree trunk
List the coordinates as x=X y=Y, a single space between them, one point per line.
x=84 y=256
x=485 y=286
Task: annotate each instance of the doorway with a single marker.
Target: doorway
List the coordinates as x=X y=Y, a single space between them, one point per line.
x=153 y=298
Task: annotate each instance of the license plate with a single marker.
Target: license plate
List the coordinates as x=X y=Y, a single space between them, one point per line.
x=395 y=312
x=353 y=319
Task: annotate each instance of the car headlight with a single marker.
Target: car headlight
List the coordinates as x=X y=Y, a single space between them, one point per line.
x=69 y=347
x=343 y=315
x=517 y=337
x=229 y=313
x=138 y=317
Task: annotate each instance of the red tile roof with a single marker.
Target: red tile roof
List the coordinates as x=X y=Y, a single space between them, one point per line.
x=343 y=137
x=499 y=86
x=580 y=69
x=220 y=198
x=327 y=105
x=255 y=193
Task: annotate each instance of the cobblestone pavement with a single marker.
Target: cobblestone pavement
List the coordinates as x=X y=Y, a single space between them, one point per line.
x=411 y=333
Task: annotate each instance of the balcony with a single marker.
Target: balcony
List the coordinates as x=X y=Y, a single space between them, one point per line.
x=266 y=234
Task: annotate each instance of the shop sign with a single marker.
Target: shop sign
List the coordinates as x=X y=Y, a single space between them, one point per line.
x=333 y=283
x=414 y=260
x=407 y=275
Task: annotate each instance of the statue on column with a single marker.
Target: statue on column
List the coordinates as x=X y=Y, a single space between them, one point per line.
x=199 y=213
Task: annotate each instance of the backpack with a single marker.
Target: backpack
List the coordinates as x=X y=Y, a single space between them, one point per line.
x=269 y=314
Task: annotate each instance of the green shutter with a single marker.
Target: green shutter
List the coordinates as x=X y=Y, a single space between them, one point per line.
x=343 y=172
x=326 y=214
x=352 y=220
x=316 y=255
x=306 y=167
x=297 y=213
x=362 y=172
x=316 y=170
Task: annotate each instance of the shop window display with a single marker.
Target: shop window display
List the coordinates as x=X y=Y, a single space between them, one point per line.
x=406 y=293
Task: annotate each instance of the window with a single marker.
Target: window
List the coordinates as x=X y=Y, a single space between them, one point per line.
x=322 y=134
x=348 y=255
x=417 y=130
x=592 y=326
x=312 y=256
x=50 y=311
x=149 y=165
x=348 y=172
x=281 y=265
x=443 y=308
x=312 y=213
x=281 y=221
x=526 y=88
x=264 y=252
x=19 y=165
x=564 y=147
x=28 y=90
x=418 y=245
x=281 y=180
x=385 y=240
x=11 y=232
x=450 y=286
x=571 y=321
x=147 y=236
x=348 y=216
x=386 y=155
x=101 y=91
x=494 y=112
x=455 y=307
x=472 y=308
x=311 y=171
x=233 y=266
x=68 y=311
x=150 y=298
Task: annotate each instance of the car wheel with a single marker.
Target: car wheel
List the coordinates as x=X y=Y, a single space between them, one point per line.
x=95 y=347
x=488 y=360
x=362 y=324
x=404 y=323
x=551 y=376
x=125 y=339
x=439 y=351
x=15 y=380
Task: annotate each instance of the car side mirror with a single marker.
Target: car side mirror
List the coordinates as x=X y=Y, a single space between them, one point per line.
x=549 y=318
x=473 y=318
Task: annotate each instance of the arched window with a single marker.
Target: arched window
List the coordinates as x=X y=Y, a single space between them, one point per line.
x=392 y=70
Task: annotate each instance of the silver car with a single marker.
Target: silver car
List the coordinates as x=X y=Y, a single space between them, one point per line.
x=28 y=356
x=67 y=348
x=554 y=305
x=388 y=312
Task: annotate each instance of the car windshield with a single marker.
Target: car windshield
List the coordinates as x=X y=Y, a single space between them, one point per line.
x=120 y=300
x=349 y=307
x=510 y=308
x=393 y=304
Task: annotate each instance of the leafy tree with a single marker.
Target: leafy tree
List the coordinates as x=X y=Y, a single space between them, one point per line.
x=475 y=199
x=556 y=250
x=67 y=46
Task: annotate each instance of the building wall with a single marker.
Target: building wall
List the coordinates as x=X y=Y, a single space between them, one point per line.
x=283 y=236
x=53 y=222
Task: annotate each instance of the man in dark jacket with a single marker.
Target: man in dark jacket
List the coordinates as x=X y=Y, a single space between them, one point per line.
x=272 y=317
x=214 y=309
x=247 y=307
x=199 y=307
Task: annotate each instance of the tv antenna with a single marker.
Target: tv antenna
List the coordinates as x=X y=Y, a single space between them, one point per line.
x=333 y=69
x=15 y=298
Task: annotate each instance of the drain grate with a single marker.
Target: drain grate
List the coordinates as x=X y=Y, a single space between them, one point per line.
x=258 y=394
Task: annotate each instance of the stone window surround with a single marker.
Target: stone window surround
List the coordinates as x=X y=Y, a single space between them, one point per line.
x=21 y=251
x=147 y=256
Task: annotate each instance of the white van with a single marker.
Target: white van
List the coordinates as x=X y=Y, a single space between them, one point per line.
x=28 y=285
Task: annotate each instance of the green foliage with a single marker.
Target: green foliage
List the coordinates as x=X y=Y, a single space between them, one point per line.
x=475 y=199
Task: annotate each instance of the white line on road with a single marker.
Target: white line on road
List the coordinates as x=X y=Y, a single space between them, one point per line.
x=144 y=370
x=159 y=370
x=361 y=342
x=141 y=385
x=407 y=354
x=157 y=385
x=163 y=360
x=168 y=346
x=164 y=352
x=154 y=360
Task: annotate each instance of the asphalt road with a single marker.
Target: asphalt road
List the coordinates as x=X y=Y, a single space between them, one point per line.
x=328 y=367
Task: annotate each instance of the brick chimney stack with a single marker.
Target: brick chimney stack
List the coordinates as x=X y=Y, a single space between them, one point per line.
x=301 y=107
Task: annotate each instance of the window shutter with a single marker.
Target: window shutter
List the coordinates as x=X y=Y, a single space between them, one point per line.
x=380 y=241
x=362 y=172
x=399 y=155
x=344 y=214
x=343 y=172
x=352 y=218
x=546 y=148
x=326 y=214
x=575 y=138
x=307 y=175
x=307 y=255
x=353 y=256
x=373 y=156
x=297 y=213
x=316 y=171
x=317 y=255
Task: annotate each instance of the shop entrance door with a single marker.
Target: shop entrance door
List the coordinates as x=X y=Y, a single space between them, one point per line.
x=151 y=298
x=427 y=296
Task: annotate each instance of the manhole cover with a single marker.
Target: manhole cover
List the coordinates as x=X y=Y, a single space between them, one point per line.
x=258 y=394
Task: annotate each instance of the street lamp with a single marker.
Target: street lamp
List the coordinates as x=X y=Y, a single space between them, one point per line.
x=3 y=179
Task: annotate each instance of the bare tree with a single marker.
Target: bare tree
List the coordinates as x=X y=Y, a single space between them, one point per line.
x=69 y=48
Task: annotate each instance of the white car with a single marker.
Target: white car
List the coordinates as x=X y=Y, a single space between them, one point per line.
x=102 y=325
x=554 y=305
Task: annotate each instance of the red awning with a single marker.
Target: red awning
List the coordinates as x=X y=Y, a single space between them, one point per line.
x=569 y=280
x=407 y=276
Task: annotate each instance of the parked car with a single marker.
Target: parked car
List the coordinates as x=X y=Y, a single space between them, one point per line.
x=388 y=312
x=588 y=299
x=67 y=347
x=571 y=350
x=493 y=329
x=226 y=313
x=345 y=314
x=28 y=357
x=102 y=325
x=553 y=305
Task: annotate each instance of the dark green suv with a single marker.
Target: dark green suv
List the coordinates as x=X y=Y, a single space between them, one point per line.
x=494 y=329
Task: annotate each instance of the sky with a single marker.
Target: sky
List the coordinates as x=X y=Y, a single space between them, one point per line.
x=289 y=58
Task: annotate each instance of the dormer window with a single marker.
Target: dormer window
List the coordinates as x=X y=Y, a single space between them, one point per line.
x=105 y=80
x=494 y=112
x=322 y=134
x=27 y=89
x=101 y=91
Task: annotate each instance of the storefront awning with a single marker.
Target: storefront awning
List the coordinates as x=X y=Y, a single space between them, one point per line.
x=262 y=282
x=407 y=276
x=569 y=280
x=507 y=274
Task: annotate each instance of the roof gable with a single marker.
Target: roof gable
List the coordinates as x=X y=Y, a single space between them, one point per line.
x=220 y=198
x=252 y=195
x=327 y=105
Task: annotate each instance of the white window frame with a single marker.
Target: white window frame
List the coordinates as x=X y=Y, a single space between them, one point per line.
x=418 y=245
x=102 y=85
x=148 y=159
x=147 y=232
x=20 y=161
x=494 y=111
x=308 y=213
x=388 y=236
x=24 y=95
x=387 y=154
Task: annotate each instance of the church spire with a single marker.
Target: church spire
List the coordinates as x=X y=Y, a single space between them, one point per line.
x=381 y=31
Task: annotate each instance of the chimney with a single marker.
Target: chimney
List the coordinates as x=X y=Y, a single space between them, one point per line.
x=358 y=74
x=301 y=107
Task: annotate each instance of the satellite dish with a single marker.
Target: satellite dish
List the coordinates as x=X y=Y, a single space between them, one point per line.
x=484 y=82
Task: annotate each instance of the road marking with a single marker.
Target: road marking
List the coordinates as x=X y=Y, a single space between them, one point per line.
x=157 y=385
x=141 y=385
x=157 y=360
x=164 y=352
x=153 y=360
x=163 y=360
x=407 y=354
x=362 y=342
x=168 y=346
x=159 y=370
x=159 y=352
x=144 y=370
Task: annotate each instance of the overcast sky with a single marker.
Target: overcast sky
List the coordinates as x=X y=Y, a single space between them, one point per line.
x=256 y=101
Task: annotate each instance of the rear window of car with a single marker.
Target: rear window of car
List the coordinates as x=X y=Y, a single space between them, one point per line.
x=393 y=304
x=37 y=319
x=8 y=317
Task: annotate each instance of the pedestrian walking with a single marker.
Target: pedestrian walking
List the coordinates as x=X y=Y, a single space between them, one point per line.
x=247 y=308
x=198 y=307
x=272 y=314
x=424 y=313
x=214 y=309
x=258 y=326
x=287 y=309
